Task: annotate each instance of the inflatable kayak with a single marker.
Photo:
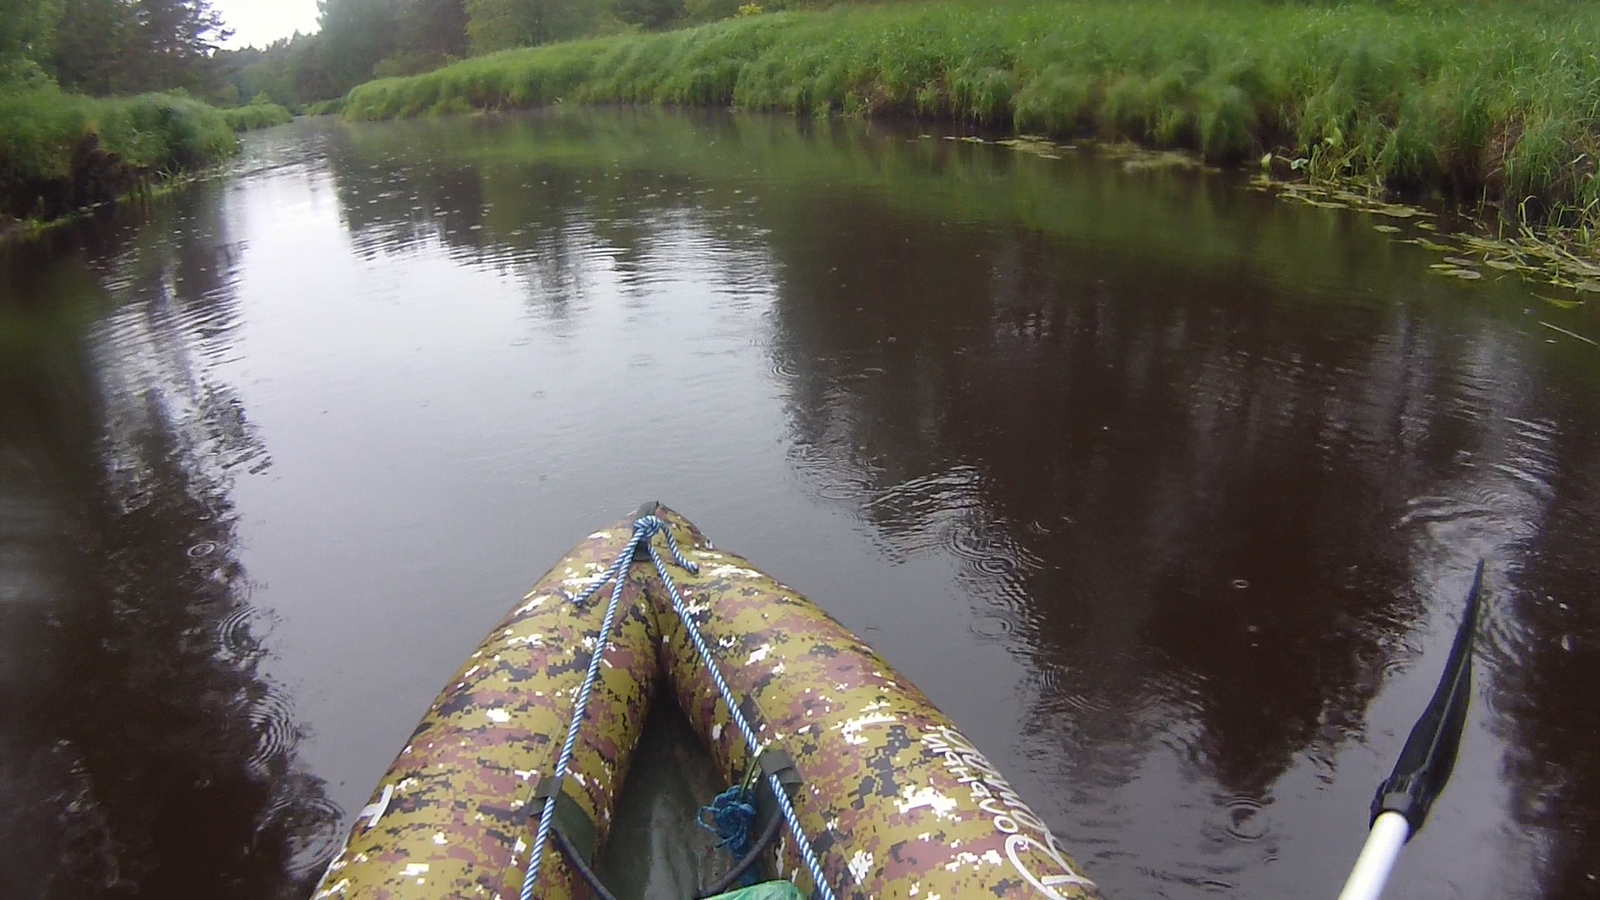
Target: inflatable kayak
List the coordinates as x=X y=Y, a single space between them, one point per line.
x=850 y=783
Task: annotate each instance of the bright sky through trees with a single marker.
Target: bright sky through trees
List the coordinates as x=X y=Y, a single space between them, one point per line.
x=260 y=22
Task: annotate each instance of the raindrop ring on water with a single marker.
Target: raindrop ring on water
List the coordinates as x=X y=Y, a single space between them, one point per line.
x=1242 y=826
x=993 y=626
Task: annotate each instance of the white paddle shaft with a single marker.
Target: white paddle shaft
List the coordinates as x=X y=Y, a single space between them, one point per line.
x=1377 y=858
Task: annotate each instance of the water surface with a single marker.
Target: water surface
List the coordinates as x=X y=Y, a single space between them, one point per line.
x=1166 y=491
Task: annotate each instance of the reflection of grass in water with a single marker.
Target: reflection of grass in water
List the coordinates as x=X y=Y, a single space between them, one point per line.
x=1481 y=99
x=27 y=326
x=1174 y=216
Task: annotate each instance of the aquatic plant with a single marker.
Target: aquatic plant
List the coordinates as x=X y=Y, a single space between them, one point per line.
x=1480 y=100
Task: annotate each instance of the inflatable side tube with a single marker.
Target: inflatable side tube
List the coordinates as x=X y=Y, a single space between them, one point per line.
x=896 y=801
x=451 y=817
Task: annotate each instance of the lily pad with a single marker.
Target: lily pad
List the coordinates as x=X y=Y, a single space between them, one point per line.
x=1387 y=229
x=1463 y=274
x=1426 y=244
x=1502 y=265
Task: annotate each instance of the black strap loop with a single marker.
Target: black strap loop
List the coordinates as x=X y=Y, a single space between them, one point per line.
x=575 y=858
x=575 y=834
x=569 y=817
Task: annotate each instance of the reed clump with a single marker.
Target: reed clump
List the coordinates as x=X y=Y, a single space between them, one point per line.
x=326 y=107
x=62 y=152
x=260 y=114
x=1485 y=100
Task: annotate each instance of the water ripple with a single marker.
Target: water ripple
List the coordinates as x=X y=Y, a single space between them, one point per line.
x=271 y=720
x=1244 y=818
x=236 y=633
x=993 y=625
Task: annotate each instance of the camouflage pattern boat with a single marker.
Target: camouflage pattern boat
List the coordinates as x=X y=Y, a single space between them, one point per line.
x=892 y=798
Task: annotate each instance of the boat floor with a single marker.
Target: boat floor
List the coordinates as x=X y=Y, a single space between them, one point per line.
x=656 y=851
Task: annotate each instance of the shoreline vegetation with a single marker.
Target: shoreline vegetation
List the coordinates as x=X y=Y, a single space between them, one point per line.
x=1484 y=103
x=63 y=153
x=106 y=99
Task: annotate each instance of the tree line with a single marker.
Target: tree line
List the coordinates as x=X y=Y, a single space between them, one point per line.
x=121 y=47
x=113 y=46
x=364 y=39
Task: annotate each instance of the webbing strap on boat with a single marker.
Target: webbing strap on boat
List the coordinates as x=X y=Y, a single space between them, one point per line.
x=808 y=855
x=617 y=572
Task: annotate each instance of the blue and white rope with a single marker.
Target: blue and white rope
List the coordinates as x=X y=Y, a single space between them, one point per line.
x=619 y=572
x=643 y=529
x=785 y=806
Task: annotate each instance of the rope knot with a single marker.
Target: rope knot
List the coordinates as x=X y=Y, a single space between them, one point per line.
x=732 y=817
x=647 y=527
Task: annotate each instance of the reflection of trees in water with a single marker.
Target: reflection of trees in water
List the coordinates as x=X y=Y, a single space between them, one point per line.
x=527 y=200
x=1128 y=465
x=1183 y=490
x=146 y=753
x=396 y=200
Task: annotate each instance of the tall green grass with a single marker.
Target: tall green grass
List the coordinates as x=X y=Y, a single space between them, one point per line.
x=1489 y=100
x=61 y=151
x=261 y=114
x=326 y=108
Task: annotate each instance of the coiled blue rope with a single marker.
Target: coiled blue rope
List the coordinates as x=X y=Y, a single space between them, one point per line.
x=733 y=813
x=643 y=530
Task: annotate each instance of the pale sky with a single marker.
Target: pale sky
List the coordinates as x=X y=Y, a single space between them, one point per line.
x=260 y=22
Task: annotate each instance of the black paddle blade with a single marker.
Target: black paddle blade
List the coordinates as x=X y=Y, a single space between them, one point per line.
x=1430 y=752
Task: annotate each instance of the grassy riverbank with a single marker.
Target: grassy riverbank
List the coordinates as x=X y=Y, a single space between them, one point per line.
x=1489 y=101
x=62 y=152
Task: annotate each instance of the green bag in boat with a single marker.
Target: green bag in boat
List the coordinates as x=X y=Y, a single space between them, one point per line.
x=771 y=890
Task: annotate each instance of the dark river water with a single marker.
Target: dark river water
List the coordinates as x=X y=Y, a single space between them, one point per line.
x=1167 y=491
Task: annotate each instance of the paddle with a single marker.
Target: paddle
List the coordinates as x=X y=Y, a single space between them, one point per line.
x=1404 y=798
